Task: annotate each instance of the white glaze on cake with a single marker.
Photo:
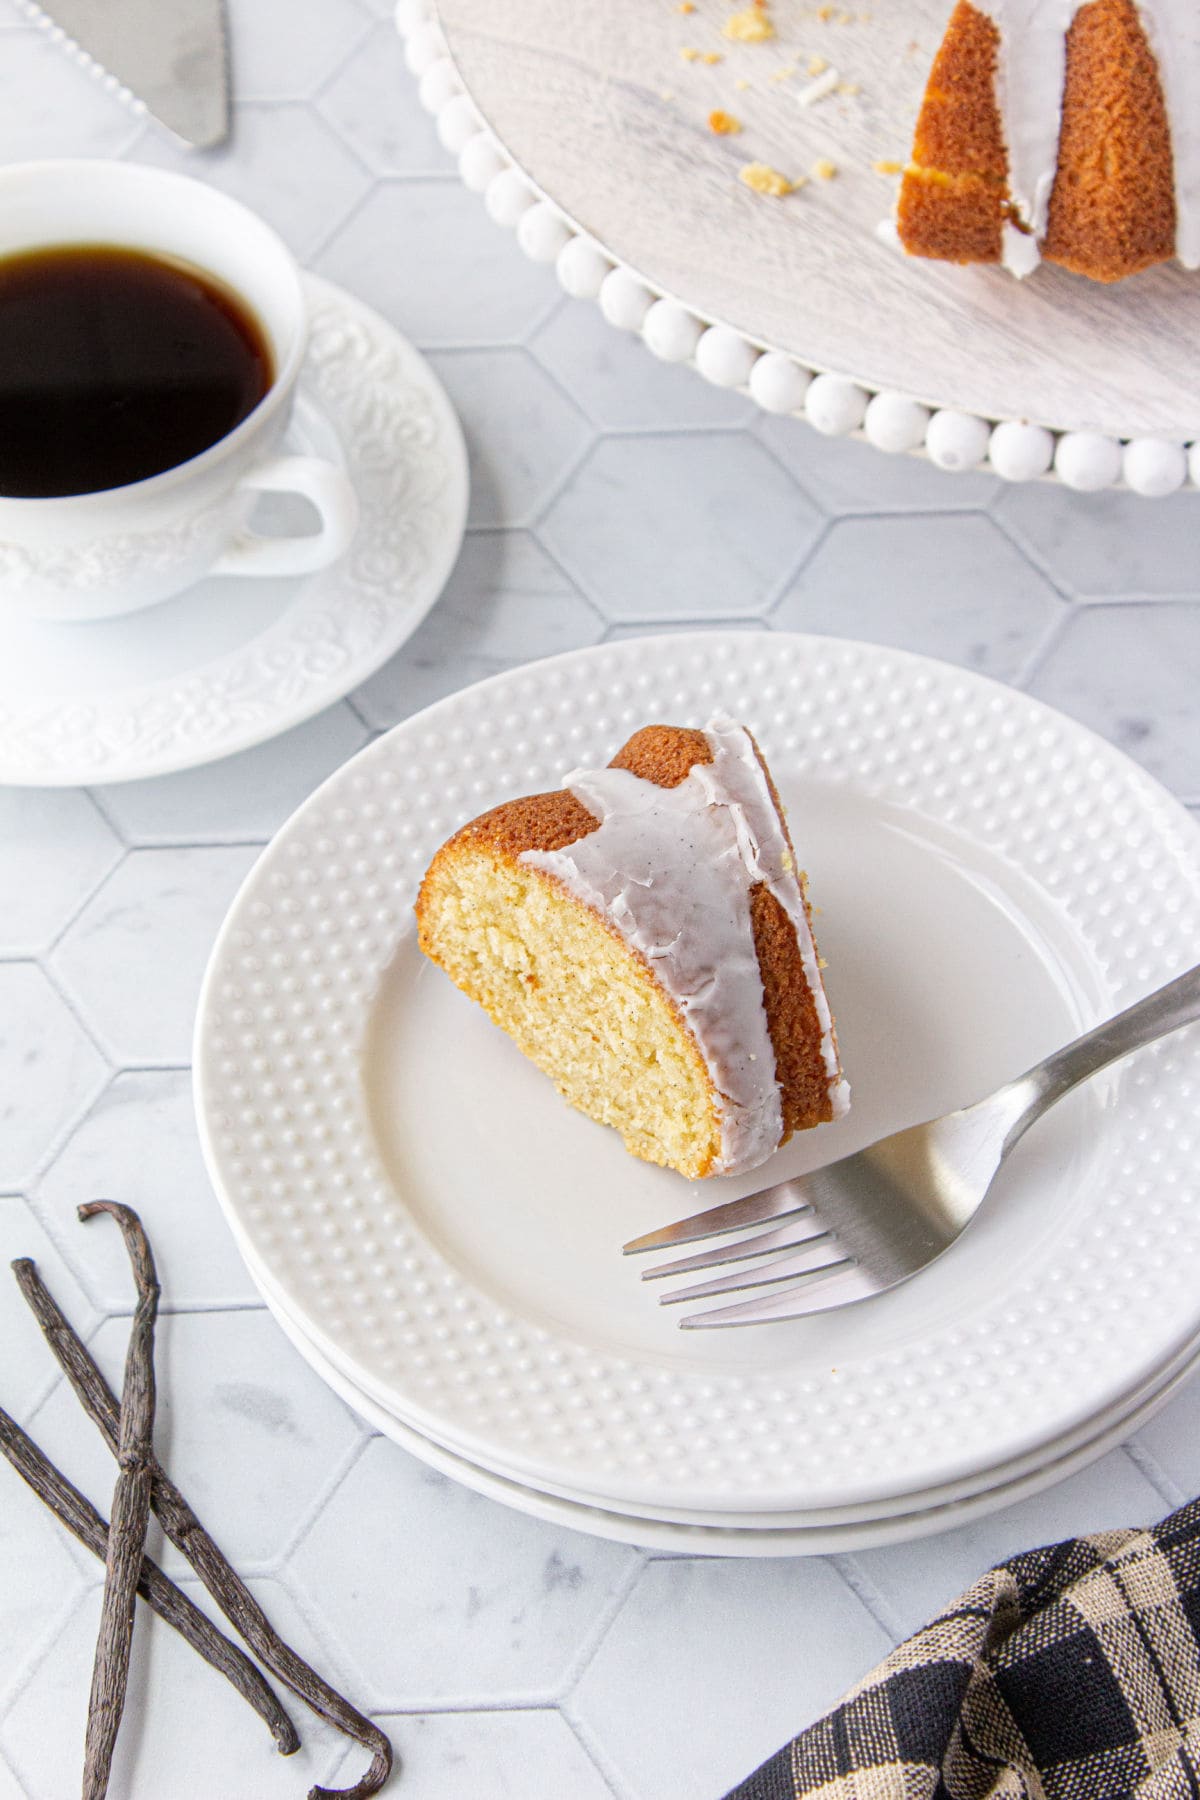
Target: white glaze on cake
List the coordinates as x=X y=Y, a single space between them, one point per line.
x=1030 y=73
x=672 y=869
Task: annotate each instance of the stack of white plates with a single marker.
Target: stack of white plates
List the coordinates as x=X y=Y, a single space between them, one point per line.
x=441 y=1237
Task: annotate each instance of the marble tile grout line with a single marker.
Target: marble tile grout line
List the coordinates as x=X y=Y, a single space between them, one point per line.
x=93 y=795
x=1027 y=550
x=604 y=1622
x=56 y=1624
x=1148 y=1466
x=1043 y=648
x=52 y=945
x=867 y=1594
x=594 y=1749
x=335 y=1480
x=311 y=95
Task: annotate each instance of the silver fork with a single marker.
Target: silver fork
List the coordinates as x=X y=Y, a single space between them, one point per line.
x=876 y=1218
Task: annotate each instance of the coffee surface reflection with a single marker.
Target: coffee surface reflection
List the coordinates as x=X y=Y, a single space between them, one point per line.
x=115 y=365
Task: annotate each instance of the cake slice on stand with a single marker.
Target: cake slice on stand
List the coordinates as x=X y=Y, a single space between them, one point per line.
x=1062 y=131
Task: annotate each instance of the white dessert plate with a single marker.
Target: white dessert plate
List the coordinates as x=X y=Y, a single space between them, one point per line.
x=1020 y=1476
x=233 y=662
x=765 y=1538
x=992 y=879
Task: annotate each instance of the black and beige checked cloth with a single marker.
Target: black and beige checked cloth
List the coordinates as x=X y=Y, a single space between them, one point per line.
x=1069 y=1673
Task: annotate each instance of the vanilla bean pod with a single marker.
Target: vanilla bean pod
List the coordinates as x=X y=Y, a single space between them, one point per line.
x=80 y=1517
x=193 y=1541
x=130 y=1510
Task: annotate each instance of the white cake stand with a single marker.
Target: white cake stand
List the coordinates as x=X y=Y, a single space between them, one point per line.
x=586 y=130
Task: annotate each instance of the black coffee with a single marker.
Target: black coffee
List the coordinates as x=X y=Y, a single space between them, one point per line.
x=115 y=365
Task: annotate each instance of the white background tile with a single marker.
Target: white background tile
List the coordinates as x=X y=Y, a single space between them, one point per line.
x=743 y=1686
x=486 y=291
x=659 y=528
x=968 y=597
x=361 y=102
x=1132 y=673
x=609 y=491
x=248 y=1432
x=52 y=89
x=138 y=1142
x=49 y=1069
x=506 y=602
x=523 y=434
x=490 y=1756
x=56 y=850
x=134 y=957
x=493 y=1605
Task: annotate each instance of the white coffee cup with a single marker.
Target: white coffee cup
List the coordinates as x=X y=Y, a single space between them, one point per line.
x=87 y=556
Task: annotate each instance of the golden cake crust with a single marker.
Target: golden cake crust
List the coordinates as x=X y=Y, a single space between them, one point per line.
x=1112 y=208
x=665 y=755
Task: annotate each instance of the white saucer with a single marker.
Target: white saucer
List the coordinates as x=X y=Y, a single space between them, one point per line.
x=234 y=662
x=993 y=879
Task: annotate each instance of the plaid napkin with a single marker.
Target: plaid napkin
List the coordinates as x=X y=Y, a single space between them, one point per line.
x=1069 y=1673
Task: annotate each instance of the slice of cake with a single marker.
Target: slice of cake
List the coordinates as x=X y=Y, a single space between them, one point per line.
x=644 y=936
x=1064 y=132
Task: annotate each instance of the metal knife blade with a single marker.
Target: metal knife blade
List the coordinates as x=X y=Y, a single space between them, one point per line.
x=168 y=56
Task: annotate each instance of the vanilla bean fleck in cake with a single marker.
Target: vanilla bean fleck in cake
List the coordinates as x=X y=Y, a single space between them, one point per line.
x=643 y=934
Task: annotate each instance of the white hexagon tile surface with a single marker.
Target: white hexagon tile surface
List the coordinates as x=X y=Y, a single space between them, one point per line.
x=510 y=1659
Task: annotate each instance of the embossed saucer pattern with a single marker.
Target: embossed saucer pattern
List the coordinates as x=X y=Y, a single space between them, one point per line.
x=233 y=662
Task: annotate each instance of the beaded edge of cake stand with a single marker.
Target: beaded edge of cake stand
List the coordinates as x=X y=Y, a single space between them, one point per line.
x=832 y=404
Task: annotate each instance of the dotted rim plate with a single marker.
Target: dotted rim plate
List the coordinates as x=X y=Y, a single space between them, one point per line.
x=288 y=1007
x=765 y=1539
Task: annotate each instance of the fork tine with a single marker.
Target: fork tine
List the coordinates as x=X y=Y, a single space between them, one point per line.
x=823 y=1290
x=782 y=1201
x=787 y=1268
x=784 y=1238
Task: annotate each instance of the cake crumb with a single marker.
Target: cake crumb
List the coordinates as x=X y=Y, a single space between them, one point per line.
x=823 y=169
x=712 y=56
x=686 y=6
x=741 y=85
x=723 y=123
x=886 y=167
x=817 y=65
x=763 y=179
x=824 y=13
x=784 y=74
x=689 y=54
x=850 y=88
x=818 y=89
x=749 y=27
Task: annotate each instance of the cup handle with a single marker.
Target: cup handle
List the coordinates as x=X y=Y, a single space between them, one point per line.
x=330 y=491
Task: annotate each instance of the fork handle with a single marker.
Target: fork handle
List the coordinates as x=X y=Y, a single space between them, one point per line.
x=1165 y=1010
